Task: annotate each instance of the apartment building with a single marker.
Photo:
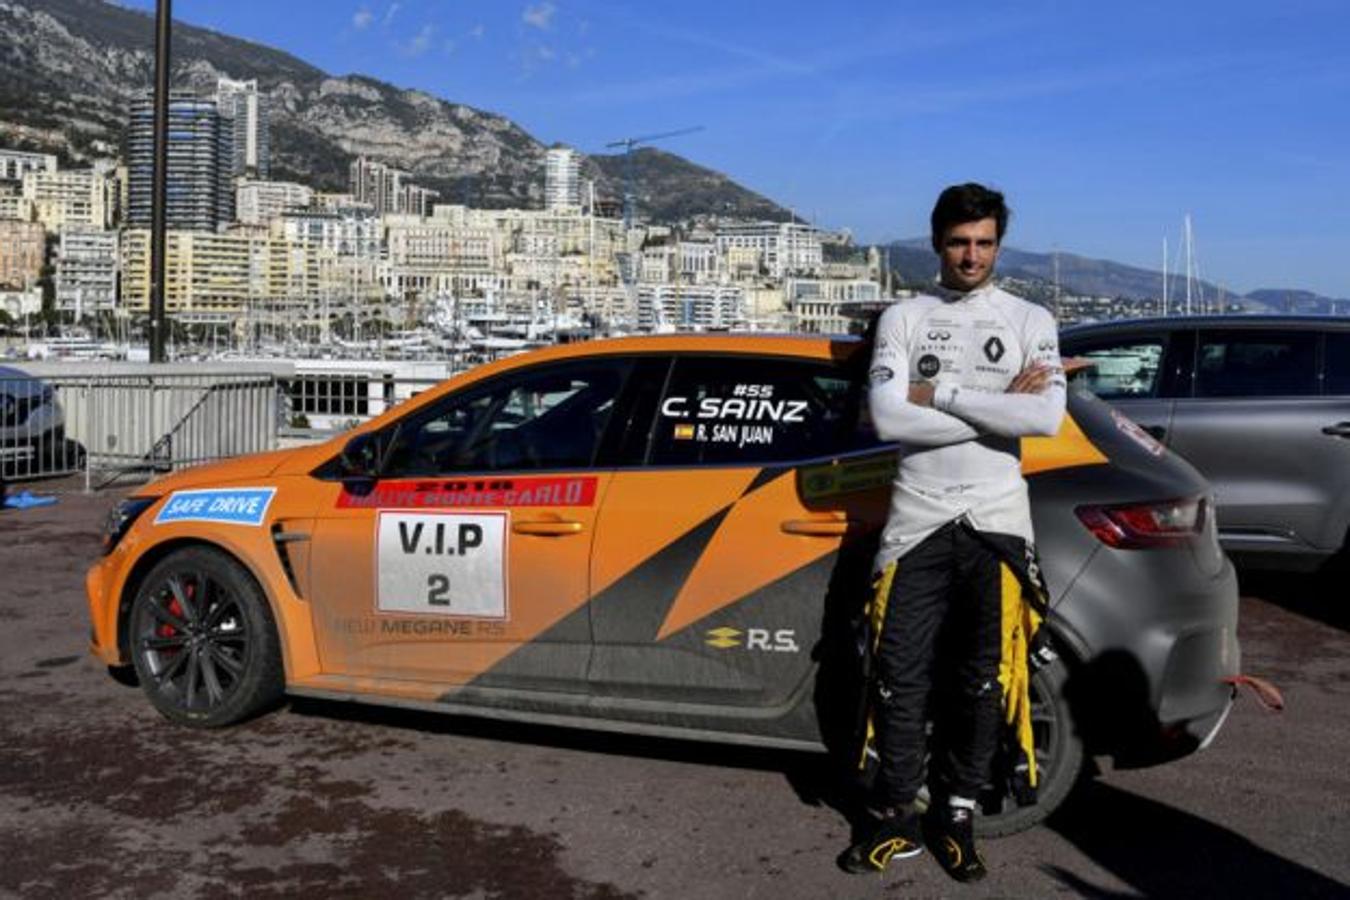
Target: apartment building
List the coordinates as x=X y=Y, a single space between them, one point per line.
x=562 y=179
x=220 y=273
x=819 y=306
x=14 y=164
x=83 y=197
x=249 y=114
x=784 y=248
x=23 y=247
x=705 y=307
x=388 y=190
x=200 y=160
x=87 y=262
x=259 y=202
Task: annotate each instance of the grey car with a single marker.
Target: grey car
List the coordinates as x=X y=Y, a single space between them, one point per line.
x=1259 y=404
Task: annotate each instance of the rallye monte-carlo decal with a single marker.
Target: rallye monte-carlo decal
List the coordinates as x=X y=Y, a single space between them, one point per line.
x=442 y=563
x=230 y=506
x=570 y=490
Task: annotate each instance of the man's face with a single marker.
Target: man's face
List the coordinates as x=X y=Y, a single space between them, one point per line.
x=968 y=252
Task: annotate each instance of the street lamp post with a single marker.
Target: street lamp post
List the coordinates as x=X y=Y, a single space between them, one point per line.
x=159 y=200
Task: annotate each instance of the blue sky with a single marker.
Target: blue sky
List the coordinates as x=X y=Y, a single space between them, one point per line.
x=1104 y=123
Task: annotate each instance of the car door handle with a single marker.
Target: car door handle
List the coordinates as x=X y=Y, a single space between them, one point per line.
x=831 y=527
x=547 y=528
x=1159 y=433
x=1340 y=429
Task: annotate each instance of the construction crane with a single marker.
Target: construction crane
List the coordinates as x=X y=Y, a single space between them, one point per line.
x=629 y=201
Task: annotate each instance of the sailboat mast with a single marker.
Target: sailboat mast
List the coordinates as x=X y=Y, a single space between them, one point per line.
x=1164 y=277
x=1190 y=263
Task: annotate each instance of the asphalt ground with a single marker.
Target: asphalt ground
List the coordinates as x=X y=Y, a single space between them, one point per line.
x=99 y=796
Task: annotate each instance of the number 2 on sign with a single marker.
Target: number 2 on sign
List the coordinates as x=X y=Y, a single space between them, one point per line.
x=438 y=590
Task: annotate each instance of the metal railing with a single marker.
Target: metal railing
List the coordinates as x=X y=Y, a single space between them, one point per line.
x=109 y=425
x=120 y=422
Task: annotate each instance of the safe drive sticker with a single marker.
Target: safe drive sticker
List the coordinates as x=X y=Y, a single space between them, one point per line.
x=441 y=563
x=231 y=506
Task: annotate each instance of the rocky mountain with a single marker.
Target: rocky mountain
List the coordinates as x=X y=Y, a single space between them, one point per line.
x=69 y=68
x=914 y=260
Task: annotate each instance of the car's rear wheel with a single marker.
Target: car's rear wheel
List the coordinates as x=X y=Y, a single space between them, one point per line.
x=1059 y=756
x=203 y=640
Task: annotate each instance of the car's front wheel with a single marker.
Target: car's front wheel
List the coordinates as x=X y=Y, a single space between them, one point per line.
x=1059 y=756
x=203 y=640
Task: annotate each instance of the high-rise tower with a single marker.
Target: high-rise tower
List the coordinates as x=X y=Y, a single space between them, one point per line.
x=250 y=113
x=201 y=149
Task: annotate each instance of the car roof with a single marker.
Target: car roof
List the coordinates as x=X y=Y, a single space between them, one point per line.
x=1239 y=321
x=749 y=343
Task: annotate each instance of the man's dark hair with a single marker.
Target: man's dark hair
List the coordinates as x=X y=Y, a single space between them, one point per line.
x=967 y=202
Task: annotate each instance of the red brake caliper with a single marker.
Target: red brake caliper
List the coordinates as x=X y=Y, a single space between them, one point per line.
x=164 y=629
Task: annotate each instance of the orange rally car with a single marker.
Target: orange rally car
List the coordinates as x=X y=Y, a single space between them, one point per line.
x=666 y=534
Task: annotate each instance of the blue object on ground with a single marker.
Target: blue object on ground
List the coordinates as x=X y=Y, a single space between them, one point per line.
x=27 y=500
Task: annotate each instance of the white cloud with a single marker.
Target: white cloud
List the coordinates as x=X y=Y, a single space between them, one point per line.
x=477 y=32
x=539 y=15
x=391 y=12
x=362 y=18
x=420 y=43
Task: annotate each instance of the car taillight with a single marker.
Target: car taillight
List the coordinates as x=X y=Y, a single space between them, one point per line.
x=1134 y=526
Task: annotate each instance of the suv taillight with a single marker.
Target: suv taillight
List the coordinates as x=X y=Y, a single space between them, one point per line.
x=1135 y=526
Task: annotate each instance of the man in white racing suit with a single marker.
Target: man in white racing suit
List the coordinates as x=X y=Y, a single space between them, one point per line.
x=957 y=378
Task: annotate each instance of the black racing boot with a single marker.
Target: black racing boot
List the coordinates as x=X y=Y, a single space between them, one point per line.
x=949 y=832
x=894 y=836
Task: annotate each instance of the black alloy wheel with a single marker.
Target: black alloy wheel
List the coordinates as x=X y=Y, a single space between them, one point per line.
x=203 y=640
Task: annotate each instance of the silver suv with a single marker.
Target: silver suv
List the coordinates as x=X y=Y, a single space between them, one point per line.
x=32 y=426
x=1259 y=404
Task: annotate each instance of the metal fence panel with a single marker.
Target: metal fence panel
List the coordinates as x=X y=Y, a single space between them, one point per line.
x=64 y=424
x=121 y=420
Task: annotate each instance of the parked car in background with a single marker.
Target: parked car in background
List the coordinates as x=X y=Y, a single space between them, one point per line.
x=661 y=535
x=1259 y=404
x=32 y=427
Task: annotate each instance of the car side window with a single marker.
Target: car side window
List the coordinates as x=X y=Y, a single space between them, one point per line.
x=729 y=411
x=551 y=417
x=1336 y=379
x=1123 y=371
x=1256 y=364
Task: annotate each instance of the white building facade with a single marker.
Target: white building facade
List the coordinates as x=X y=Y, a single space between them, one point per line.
x=562 y=179
x=785 y=248
x=87 y=266
x=259 y=202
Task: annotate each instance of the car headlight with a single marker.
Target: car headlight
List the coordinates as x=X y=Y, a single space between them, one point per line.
x=120 y=519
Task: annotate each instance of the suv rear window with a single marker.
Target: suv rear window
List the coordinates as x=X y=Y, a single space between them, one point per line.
x=729 y=411
x=1125 y=370
x=1256 y=364
x=1337 y=380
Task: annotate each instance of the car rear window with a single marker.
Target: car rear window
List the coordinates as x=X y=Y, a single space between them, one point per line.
x=728 y=411
x=1256 y=364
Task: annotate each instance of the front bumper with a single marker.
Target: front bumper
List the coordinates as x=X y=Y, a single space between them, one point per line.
x=100 y=588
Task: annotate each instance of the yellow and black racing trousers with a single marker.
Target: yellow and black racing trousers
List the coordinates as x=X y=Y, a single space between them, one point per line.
x=949 y=626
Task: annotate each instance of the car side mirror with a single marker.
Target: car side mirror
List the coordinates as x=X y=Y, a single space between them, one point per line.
x=363 y=456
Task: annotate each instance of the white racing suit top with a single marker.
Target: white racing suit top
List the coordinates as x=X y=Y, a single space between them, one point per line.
x=961 y=458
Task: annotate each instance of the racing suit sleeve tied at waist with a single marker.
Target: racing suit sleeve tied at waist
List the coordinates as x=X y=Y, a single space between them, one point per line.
x=901 y=628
